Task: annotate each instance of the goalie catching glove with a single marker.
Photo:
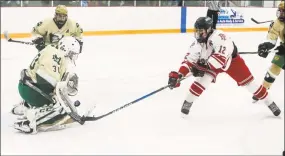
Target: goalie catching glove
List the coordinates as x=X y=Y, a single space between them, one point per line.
x=72 y=83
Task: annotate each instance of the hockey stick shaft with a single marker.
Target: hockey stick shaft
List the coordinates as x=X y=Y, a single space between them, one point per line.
x=93 y=118
x=272 y=51
x=248 y=52
x=39 y=91
x=9 y=39
x=22 y=42
x=258 y=22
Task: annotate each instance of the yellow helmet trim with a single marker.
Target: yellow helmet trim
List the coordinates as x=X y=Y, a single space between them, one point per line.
x=281 y=6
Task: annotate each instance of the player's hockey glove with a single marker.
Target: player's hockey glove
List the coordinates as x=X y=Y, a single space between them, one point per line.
x=263 y=49
x=199 y=69
x=39 y=43
x=174 y=79
x=281 y=49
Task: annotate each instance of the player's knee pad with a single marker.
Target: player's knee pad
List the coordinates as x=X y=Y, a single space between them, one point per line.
x=196 y=88
x=200 y=85
x=259 y=91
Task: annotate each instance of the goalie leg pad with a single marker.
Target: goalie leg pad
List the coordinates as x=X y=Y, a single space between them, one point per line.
x=46 y=116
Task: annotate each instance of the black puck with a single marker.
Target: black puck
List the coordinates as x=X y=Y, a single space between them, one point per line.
x=77 y=103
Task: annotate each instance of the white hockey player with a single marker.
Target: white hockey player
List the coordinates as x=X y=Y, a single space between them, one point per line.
x=45 y=87
x=51 y=30
x=212 y=53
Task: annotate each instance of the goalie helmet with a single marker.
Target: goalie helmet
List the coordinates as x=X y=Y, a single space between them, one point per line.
x=70 y=47
x=60 y=16
x=281 y=12
x=203 y=29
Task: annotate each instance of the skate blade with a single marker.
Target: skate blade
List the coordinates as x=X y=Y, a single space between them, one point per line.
x=255 y=101
x=184 y=116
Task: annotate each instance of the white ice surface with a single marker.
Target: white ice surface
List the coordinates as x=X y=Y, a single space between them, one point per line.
x=115 y=70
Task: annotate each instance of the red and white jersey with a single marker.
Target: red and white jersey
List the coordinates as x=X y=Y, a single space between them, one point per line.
x=217 y=53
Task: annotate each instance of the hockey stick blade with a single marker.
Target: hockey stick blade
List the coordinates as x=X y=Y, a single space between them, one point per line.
x=94 y=118
x=6 y=36
x=255 y=21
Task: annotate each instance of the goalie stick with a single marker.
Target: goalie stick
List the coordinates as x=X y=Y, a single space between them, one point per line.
x=9 y=39
x=94 y=118
x=257 y=22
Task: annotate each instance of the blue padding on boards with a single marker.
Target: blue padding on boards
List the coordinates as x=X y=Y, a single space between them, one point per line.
x=183 y=20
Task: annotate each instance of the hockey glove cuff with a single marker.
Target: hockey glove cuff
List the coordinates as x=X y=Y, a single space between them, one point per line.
x=281 y=49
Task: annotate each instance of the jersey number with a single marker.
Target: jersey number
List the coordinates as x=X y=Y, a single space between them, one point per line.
x=32 y=65
x=222 y=50
x=57 y=60
x=55 y=68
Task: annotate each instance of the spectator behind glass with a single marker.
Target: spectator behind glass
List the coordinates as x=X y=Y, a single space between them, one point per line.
x=84 y=3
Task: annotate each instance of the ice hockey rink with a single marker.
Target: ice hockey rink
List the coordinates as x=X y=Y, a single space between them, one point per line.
x=115 y=70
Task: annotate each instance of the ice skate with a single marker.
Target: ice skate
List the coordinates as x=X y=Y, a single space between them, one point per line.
x=254 y=99
x=186 y=107
x=24 y=126
x=20 y=108
x=274 y=108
